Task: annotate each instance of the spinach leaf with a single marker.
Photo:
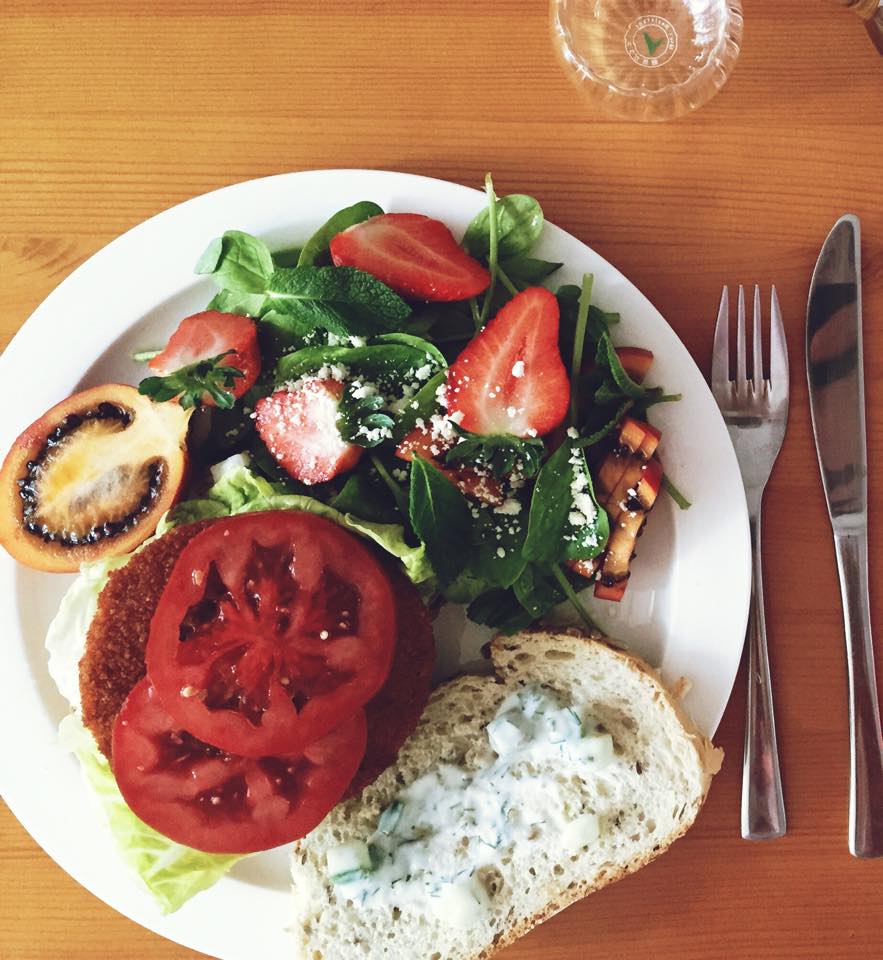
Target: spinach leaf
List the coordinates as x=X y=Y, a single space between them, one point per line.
x=366 y=496
x=602 y=420
x=286 y=258
x=565 y=522
x=344 y=300
x=237 y=261
x=537 y=592
x=361 y=419
x=422 y=405
x=526 y=271
x=316 y=248
x=519 y=223
x=390 y=364
x=500 y=610
x=236 y=301
x=497 y=550
x=440 y=516
x=499 y=452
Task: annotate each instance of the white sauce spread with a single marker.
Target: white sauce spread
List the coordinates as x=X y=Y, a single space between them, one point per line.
x=432 y=841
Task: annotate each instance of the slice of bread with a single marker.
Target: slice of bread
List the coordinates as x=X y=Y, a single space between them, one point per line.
x=645 y=798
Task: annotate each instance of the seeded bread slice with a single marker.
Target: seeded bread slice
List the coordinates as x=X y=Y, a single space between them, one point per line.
x=663 y=769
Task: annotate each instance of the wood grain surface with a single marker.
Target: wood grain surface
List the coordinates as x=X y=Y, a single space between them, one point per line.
x=111 y=111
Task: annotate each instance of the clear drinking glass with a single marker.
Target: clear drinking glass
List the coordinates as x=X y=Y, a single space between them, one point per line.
x=647 y=59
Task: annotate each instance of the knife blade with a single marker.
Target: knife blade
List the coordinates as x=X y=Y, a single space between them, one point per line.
x=837 y=405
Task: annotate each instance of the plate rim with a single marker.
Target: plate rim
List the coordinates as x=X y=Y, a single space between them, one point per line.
x=30 y=329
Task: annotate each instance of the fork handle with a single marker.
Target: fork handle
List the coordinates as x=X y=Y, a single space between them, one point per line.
x=763 y=807
x=865 y=742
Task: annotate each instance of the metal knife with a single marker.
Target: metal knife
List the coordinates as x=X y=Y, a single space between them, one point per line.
x=837 y=402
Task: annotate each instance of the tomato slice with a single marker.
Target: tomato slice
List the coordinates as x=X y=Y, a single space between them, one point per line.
x=271 y=629
x=215 y=801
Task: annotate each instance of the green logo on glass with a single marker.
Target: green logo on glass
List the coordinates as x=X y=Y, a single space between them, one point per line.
x=651 y=41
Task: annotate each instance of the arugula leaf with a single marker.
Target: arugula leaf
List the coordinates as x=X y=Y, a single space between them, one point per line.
x=390 y=361
x=605 y=420
x=607 y=357
x=316 y=248
x=565 y=522
x=237 y=261
x=361 y=419
x=499 y=452
x=344 y=300
x=526 y=271
x=190 y=383
x=519 y=223
x=440 y=516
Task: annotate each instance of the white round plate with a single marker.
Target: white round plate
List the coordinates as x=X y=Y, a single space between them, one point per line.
x=685 y=609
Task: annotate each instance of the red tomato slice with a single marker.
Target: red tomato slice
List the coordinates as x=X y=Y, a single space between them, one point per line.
x=272 y=627
x=215 y=801
x=209 y=334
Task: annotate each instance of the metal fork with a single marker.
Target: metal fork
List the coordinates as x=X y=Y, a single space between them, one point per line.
x=755 y=411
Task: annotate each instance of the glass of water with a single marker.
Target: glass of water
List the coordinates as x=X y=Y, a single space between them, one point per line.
x=647 y=59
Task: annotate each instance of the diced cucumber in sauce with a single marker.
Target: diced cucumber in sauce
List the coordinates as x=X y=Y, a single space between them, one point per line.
x=581 y=832
x=348 y=861
x=461 y=904
x=504 y=735
x=469 y=817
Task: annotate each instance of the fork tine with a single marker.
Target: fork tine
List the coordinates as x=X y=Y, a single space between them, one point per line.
x=778 y=348
x=720 y=356
x=757 y=363
x=741 y=376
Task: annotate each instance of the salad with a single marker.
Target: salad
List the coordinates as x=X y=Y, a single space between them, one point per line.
x=383 y=384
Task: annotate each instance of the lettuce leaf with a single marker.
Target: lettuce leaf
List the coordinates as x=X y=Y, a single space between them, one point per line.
x=66 y=636
x=172 y=873
x=238 y=490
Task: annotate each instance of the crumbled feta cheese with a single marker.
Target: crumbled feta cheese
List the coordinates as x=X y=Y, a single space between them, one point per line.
x=424 y=372
x=518 y=369
x=573 y=433
x=509 y=507
x=501 y=552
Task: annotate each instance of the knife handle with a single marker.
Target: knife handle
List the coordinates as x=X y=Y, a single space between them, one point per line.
x=865 y=740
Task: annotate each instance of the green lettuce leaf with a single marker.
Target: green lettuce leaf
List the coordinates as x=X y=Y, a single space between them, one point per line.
x=172 y=873
x=240 y=491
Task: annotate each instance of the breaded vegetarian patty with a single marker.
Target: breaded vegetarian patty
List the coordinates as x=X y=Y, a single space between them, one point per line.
x=113 y=661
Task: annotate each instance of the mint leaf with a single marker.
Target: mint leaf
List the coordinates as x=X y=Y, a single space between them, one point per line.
x=343 y=300
x=316 y=248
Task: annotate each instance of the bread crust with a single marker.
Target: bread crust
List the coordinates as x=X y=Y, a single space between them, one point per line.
x=511 y=657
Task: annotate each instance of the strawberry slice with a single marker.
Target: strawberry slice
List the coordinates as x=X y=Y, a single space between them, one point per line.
x=510 y=378
x=210 y=334
x=299 y=427
x=476 y=484
x=415 y=255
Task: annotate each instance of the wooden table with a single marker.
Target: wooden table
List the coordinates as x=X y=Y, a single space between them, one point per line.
x=110 y=112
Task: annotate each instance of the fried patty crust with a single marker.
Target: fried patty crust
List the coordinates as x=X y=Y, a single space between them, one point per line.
x=113 y=661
